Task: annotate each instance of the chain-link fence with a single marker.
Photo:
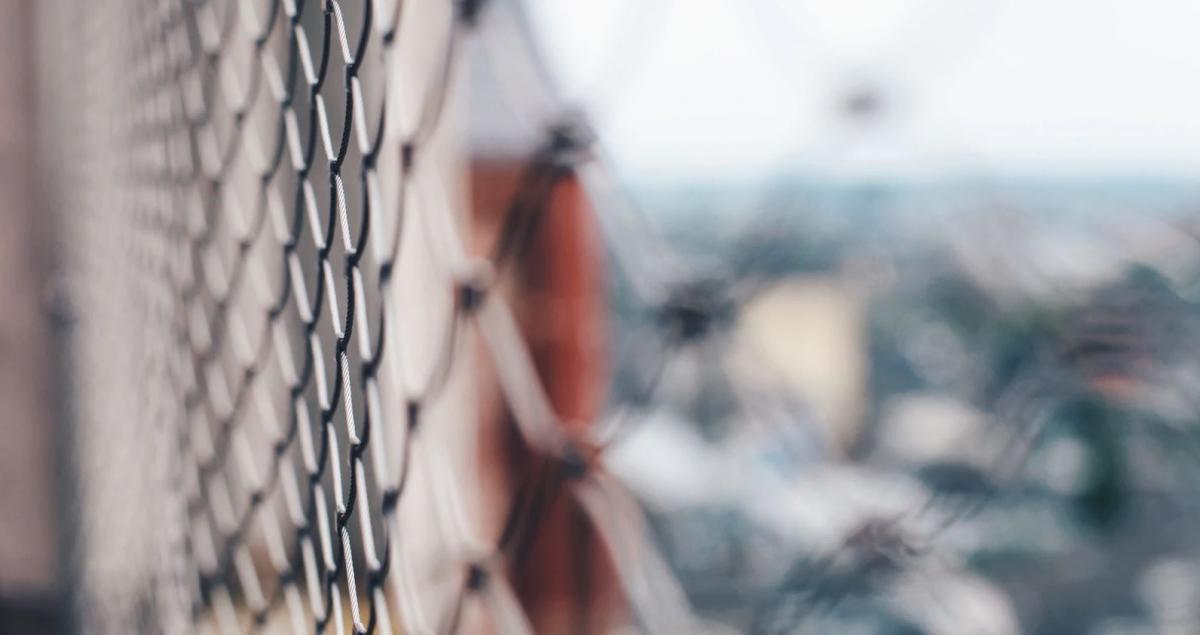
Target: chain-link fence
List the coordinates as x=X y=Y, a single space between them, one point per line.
x=246 y=187
x=316 y=386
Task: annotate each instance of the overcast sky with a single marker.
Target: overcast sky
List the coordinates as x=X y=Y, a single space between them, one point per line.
x=714 y=88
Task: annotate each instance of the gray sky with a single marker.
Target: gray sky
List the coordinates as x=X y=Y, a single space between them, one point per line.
x=736 y=87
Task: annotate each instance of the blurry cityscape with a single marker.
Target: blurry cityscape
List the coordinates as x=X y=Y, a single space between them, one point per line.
x=927 y=409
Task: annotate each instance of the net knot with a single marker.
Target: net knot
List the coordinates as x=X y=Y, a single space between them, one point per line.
x=413 y=411
x=473 y=289
x=694 y=309
x=408 y=156
x=477 y=576
x=391 y=496
x=573 y=462
x=569 y=140
x=468 y=11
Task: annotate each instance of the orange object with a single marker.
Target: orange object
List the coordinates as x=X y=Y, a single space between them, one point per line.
x=561 y=573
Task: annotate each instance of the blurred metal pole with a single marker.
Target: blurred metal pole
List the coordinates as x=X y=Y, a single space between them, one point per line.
x=28 y=548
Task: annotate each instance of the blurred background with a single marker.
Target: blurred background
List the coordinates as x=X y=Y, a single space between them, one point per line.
x=887 y=312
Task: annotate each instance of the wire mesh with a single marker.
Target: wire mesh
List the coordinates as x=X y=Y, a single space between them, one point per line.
x=276 y=302
x=244 y=183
